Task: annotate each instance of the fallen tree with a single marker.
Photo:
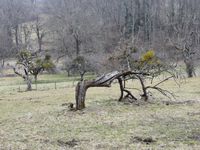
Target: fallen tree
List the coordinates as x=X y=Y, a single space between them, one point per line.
x=107 y=79
x=148 y=67
x=102 y=81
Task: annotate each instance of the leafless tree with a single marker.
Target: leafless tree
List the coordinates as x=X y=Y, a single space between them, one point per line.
x=94 y=28
x=40 y=32
x=183 y=33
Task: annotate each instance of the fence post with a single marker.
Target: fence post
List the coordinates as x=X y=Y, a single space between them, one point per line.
x=55 y=86
x=36 y=86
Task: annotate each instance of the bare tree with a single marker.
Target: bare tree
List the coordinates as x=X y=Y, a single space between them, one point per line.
x=73 y=28
x=183 y=33
x=40 y=32
x=13 y=14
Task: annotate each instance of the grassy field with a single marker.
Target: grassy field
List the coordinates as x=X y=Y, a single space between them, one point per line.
x=41 y=120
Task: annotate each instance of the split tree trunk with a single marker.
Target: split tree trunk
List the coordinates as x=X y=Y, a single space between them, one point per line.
x=82 y=86
x=102 y=81
x=81 y=90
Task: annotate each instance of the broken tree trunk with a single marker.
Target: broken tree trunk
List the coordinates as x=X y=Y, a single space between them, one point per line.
x=102 y=81
x=82 y=86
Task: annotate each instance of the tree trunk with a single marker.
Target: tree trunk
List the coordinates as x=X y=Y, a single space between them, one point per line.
x=77 y=44
x=40 y=35
x=122 y=90
x=29 y=84
x=16 y=37
x=2 y=63
x=35 y=77
x=81 y=89
x=144 y=96
x=102 y=81
x=189 y=68
x=68 y=73
x=40 y=44
x=82 y=86
x=82 y=73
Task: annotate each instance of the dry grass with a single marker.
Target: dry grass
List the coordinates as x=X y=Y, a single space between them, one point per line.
x=37 y=119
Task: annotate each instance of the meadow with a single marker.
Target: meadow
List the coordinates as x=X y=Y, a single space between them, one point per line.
x=41 y=119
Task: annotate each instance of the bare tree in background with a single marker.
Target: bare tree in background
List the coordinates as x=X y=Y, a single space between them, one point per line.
x=40 y=32
x=94 y=28
x=183 y=33
x=13 y=14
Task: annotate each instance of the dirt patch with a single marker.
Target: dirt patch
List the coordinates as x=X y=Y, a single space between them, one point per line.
x=189 y=102
x=139 y=102
x=72 y=143
x=65 y=104
x=147 y=140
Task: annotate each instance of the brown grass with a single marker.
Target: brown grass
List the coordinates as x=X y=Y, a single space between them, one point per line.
x=37 y=119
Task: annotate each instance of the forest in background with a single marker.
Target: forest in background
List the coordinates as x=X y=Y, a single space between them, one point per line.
x=98 y=30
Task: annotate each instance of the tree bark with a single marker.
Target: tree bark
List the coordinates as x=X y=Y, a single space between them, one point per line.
x=82 y=86
x=81 y=89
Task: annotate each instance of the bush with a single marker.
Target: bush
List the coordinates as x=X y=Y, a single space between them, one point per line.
x=148 y=56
